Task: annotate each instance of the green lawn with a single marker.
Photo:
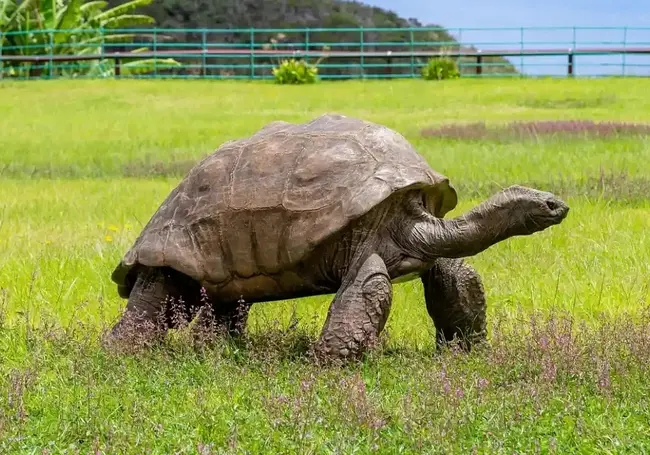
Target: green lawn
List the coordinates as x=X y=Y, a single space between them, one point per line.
x=84 y=164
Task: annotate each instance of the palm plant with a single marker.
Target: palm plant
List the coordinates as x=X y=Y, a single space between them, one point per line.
x=72 y=27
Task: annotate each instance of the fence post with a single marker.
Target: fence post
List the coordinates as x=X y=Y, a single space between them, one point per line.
x=252 y=54
x=204 y=45
x=102 y=52
x=51 y=54
x=362 y=59
x=570 y=57
x=570 y=63
x=118 y=68
x=155 y=53
x=624 y=59
x=102 y=43
x=479 y=63
x=307 y=40
x=574 y=38
x=412 y=52
x=2 y=63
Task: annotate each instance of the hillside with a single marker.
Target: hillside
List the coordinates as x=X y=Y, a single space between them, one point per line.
x=282 y=14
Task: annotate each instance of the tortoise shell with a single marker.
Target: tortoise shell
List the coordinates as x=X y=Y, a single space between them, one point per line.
x=261 y=204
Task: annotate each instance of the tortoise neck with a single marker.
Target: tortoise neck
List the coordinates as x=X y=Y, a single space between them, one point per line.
x=466 y=235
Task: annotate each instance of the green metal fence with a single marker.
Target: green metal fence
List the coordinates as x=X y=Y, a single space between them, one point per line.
x=341 y=53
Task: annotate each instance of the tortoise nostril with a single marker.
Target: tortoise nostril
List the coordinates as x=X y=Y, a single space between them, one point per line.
x=552 y=205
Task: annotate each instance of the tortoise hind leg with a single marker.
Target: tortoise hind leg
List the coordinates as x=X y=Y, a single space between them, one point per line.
x=456 y=302
x=358 y=313
x=148 y=314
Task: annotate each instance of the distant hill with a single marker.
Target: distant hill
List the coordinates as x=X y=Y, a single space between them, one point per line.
x=280 y=14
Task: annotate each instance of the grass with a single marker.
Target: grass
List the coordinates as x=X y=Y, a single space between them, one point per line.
x=84 y=164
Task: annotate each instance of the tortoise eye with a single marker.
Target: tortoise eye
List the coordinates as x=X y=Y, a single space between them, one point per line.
x=418 y=203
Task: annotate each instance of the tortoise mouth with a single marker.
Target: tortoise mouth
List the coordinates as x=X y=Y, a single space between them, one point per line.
x=554 y=217
x=563 y=212
x=559 y=210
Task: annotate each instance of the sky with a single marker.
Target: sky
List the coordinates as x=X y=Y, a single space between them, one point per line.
x=634 y=14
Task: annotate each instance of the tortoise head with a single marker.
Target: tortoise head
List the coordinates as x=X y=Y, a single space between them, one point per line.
x=527 y=210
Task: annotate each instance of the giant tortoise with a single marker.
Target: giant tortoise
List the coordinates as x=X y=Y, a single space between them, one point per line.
x=337 y=205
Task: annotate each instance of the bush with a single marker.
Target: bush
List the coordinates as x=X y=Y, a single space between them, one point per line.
x=439 y=68
x=295 y=72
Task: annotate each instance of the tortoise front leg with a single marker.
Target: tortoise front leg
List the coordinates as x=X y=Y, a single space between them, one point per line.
x=158 y=299
x=358 y=313
x=456 y=302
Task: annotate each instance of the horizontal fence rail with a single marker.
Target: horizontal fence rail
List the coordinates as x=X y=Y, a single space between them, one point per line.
x=341 y=53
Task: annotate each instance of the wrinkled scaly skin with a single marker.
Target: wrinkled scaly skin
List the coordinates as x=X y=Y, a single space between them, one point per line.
x=350 y=237
x=456 y=302
x=359 y=311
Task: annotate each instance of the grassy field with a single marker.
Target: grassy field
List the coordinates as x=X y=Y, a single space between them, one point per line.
x=84 y=164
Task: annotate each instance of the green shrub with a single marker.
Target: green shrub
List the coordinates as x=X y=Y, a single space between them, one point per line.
x=439 y=68
x=295 y=72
